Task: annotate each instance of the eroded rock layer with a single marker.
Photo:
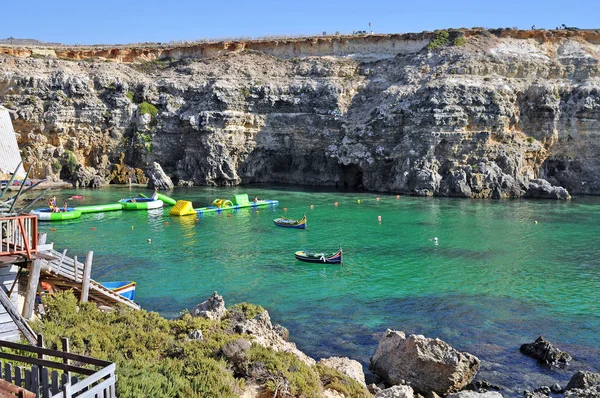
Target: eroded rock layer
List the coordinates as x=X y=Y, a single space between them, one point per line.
x=494 y=114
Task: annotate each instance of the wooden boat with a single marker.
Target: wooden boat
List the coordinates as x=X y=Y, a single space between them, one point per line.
x=324 y=258
x=125 y=289
x=290 y=223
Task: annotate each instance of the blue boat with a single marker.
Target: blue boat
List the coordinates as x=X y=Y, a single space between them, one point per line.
x=125 y=289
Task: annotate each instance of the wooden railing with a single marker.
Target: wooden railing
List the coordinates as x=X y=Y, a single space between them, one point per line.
x=19 y=235
x=43 y=379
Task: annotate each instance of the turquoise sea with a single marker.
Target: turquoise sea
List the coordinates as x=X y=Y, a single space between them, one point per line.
x=501 y=273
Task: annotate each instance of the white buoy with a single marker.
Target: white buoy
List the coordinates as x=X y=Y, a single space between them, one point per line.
x=149 y=240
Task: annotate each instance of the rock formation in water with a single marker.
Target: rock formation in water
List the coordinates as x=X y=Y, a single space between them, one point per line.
x=469 y=113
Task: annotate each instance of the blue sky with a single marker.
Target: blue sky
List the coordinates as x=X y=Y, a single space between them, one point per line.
x=133 y=21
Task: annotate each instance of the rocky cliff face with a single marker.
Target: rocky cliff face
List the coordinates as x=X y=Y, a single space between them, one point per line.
x=506 y=114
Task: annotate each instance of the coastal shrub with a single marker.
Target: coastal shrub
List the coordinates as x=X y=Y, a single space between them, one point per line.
x=283 y=370
x=459 y=41
x=442 y=37
x=130 y=95
x=347 y=386
x=71 y=162
x=249 y=310
x=154 y=356
x=530 y=140
x=147 y=108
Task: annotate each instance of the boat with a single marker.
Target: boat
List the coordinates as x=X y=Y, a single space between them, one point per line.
x=290 y=223
x=324 y=258
x=141 y=203
x=239 y=201
x=77 y=197
x=125 y=289
x=47 y=214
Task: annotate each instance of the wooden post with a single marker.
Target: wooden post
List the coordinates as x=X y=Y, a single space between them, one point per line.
x=65 y=348
x=75 y=268
x=32 y=283
x=87 y=272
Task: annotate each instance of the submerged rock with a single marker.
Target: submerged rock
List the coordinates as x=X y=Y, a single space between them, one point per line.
x=546 y=353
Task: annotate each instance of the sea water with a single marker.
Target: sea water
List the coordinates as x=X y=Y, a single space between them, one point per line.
x=483 y=275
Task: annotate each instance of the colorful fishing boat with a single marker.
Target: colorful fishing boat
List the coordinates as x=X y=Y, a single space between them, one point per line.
x=125 y=289
x=141 y=203
x=290 y=223
x=323 y=258
x=48 y=215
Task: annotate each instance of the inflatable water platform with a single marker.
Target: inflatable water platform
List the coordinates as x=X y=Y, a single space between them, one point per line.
x=184 y=207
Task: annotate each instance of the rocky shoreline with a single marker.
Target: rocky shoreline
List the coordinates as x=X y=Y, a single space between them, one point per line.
x=464 y=113
x=406 y=366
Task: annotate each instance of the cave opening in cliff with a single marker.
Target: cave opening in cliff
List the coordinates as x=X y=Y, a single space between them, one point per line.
x=352 y=177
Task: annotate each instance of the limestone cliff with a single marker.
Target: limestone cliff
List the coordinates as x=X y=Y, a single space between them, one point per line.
x=499 y=113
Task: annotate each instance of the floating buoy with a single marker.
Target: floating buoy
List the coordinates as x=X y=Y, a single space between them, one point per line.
x=435 y=240
x=312 y=207
x=358 y=201
x=93 y=228
x=378 y=199
x=397 y=196
x=285 y=209
x=535 y=221
x=335 y=204
x=132 y=227
x=379 y=219
x=149 y=240
x=197 y=219
x=228 y=215
x=52 y=229
x=166 y=223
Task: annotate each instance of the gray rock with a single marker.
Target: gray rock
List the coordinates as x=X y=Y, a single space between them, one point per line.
x=396 y=392
x=263 y=333
x=545 y=352
x=157 y=178
x=425 y=364
x=346 y=366
x=583 y=379
x=473 y=394
x=213 y=308
x=196 y=335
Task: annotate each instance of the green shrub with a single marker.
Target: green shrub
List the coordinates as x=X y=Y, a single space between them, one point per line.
x=441 y=39
x=283 y=369
x=530 y=140
x=153 y=355
x=130 y=95
x=71 y=162
x=459 y=41
x=147 y=109
x=249 y=310
x=347 y=386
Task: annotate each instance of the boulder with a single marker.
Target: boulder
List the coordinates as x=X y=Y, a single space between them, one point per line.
x=423 y=363
x=540 y=188
x=213 y=308
x=346 y=366
x=196 y=335
x=473 y=394
x=158 y=179
x=583 y=379
x=545 y=352
x=261 y=328
x=396 y=392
